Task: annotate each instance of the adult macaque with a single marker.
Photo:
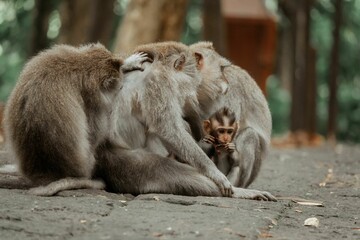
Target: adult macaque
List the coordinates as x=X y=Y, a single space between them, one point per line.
x=155 y=97
x=244 y=98
x=221 y=129
x=59 y=112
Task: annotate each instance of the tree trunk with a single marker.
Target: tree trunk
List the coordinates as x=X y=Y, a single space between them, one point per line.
x=298 y=108
x=333 y=73
x=299 y=60
x=86 y=21
x=150 y=21
x=102 y=20
x=75 y=21
x=214 y=27
x=39 y=41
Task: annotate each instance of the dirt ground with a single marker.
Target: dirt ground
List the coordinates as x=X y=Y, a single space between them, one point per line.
x=323 y=176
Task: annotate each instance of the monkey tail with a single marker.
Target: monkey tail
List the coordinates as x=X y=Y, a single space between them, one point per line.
x=66 y=184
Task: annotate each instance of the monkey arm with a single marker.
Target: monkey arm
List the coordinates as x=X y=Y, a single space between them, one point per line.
x=161 y=111
x=166 y=121
x=192 y=117
x=207 y=147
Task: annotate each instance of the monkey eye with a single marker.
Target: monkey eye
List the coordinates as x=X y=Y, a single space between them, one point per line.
x=230 y=131
x=221 y=131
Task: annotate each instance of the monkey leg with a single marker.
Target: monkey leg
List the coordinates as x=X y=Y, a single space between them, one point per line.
x=234 y=175
x=250 y=156
x=138 y=172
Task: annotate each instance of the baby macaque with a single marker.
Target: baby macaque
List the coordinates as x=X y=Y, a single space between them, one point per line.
x=220 y=129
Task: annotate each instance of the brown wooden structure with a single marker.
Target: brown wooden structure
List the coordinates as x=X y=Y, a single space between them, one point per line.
x=251 y=37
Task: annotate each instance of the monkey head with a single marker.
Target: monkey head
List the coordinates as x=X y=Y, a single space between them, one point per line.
x=211 y=67
x=222 y=125
x=104 y=77
x=182 y=62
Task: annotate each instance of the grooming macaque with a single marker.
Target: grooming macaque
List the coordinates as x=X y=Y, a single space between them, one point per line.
x=244 y=98
x=220 y=129
x=59 y=112
x=153 y=103
x=156 y=98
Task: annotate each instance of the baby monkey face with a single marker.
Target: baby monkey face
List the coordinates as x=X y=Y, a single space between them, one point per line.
x=225 y=134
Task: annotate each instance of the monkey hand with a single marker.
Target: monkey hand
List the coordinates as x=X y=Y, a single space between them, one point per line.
x=221 y=181
x=230 y=147
x=253 y=194
x=209 y=139
x=134 y=62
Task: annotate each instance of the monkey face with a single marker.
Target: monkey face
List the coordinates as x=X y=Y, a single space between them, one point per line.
x=225 y=134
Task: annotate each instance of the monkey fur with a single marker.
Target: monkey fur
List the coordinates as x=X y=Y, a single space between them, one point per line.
x=244 y=98
x=221 y=129
x=153 y=99
x=59 y=112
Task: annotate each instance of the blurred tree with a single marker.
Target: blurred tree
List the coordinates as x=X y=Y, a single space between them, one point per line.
x=214 y=27
x=297 y=64
x=42 y=11
x=86 y=21
x=333 y=73
x=192 y=32
x=150 y=21
x=15 y=42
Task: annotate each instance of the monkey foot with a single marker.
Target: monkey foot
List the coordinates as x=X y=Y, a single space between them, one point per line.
x=253 y=194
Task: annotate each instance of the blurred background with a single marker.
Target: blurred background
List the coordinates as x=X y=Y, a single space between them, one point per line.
x=304 y=54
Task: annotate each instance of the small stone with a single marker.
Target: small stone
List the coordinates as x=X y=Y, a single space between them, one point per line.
x=312 y=222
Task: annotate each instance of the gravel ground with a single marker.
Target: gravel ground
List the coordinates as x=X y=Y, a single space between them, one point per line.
x=322 y=176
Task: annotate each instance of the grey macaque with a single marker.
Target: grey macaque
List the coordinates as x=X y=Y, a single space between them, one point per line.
x=244 y=98
x=59 y=112
x=154 y=99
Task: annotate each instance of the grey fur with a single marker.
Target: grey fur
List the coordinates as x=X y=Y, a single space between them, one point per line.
x=59 y=112
x=245 y=98
x=152 y=102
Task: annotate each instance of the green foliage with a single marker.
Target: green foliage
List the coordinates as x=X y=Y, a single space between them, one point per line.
x=279 y=103
x=15 y=22
x=193 y=23
x=348 y=120
x=349 y=72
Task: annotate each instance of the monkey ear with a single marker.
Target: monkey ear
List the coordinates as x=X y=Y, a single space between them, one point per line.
x=116 y=63
x=199 y=60
x=179 y=63
x=207 y=124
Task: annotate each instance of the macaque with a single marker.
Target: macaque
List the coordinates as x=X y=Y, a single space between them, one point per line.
x=224 y=84
x=221 y=129
x=59 y=112
x=156 y=97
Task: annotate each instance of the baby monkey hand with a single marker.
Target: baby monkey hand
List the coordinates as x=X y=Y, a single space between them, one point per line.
x=209 y=139
x=228 y=147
